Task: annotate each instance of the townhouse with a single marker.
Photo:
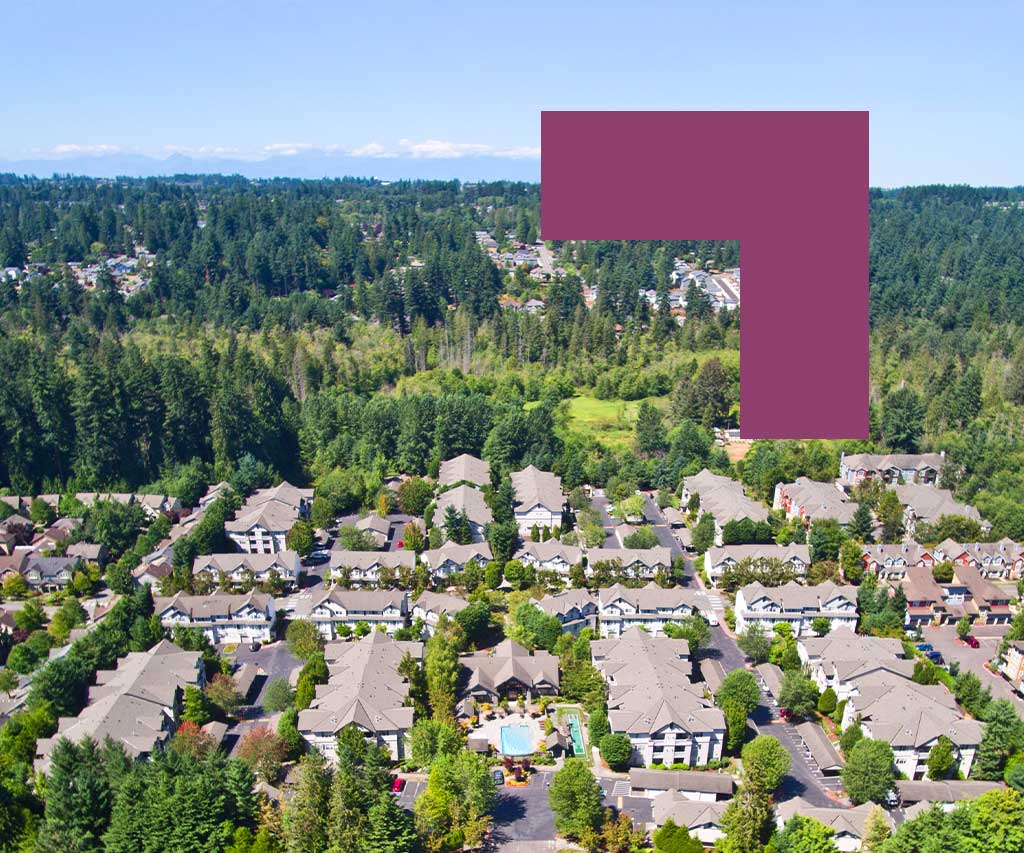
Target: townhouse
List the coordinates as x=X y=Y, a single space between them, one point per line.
x=640 y=563
x=650 y=607
x=847 y=824
x=1000 y=560
x=703 y=820
x=839 y=659
x=464 y=469
x=153 y=505
x=967 y=593
x=1012 y=665
x=576 y=609
x=429 y=606
x=137 y=704
x=654 y=701
x=890 y=562
x=796 y=605
x=467 y=500
x=550 y=555
x=364 y=567
x=334 y=607
x=451 y=558
x=810 y=501
x=223 y=618
x=692 y=785
x=249 y=568
x=538 y=499
x=926 y=505
x=377 y=528
x=364 y=689
x=922 y=468
x=509 y=671
x=263 y=522
x=911 y=718
x=723 y=499
x=720 y=558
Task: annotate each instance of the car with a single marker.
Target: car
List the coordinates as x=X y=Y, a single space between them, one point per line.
x=934 y=656
x=397 y=786
x=498 y=777
x=923 y=647
x=255 y=646
x=784 y=713
x=400 y=543
x=972 y=642
x=318 y=557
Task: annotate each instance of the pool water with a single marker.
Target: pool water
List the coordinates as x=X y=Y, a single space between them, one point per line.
x=516 y=740
x=577 y=735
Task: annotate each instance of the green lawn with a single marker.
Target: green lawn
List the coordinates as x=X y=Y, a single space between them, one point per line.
x=611 y=422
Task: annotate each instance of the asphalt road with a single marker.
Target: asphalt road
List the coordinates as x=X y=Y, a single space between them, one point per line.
x=945 y=640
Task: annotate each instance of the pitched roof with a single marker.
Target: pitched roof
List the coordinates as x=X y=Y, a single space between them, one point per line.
x=686 y=812
x=724 y=498
x=682 y=780
x=369 y=559
x=464 y=468
x=795 y=596
x=942 y=791
x=649 y=557
x=842 y=644
x=533 y=487
x=718 y=553
x=842 y=821
x=219 y=605
x=286 y=562
x=822 y=749
x=889 y=461
x=930 y=504
x=461 y=554
x=439 y=602
x=509 y=660
x=560 y=603
x=465 y=499
x=819 y=500
x=550 y=549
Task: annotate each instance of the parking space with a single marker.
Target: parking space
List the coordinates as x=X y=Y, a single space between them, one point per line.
x=413 y=788
x=944 y=640
x=523 y=814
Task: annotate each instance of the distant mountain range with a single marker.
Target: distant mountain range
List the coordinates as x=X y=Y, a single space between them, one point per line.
x=303 y=165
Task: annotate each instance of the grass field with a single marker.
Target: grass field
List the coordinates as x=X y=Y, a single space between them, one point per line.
x=611 y=422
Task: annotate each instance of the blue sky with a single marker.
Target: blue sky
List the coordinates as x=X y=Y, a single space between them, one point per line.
x=247 y=79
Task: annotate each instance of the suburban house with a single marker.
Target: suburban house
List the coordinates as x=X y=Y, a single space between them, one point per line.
x=214 y=492
x=810 y=501
x=701 y=818
x=847 y=824
x=509 y=671
x=364 y=567
x=890 y=562
x=137 y=704
x=263 y=522
x=653 y=700
x=538 y=499
x=550 y=555
x=430 y=605
x=379 y=529
x=926 y=505
x=467 y=500
x=945 y=793
x=911 y=717
x=923 y=468
x=47 y=574
x=88 y=552
x=364 y=688
x=224 y=618
x=334 y=607
x=693 y=785
x=843 y=644
x=1000 y=560
x=722 y=557
x=797 y=605
x=643 y=563
x=650 y=607
x=464 y=469
x=450 y=558
x=1012 y=665
x=576 y=609
x=249 y=568
x=723 y=499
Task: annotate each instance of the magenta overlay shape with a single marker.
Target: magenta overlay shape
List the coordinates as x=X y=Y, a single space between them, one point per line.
x=792 y=187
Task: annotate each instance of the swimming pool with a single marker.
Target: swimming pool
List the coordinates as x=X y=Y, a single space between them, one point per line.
x=516 y=740
x=577 y=735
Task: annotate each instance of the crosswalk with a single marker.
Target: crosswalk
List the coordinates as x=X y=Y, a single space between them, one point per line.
x=716 y=601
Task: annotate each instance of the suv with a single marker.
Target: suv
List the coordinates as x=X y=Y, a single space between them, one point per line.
x=397 y=786
x=934 y=656
x=499 y=777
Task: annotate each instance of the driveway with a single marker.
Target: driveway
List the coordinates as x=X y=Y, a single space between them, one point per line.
x=661 y=527
x=944 y=639
x=804 y=778
x=274 y=661
x=523 y=814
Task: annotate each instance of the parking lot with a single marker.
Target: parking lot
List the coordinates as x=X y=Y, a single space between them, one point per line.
x=944 y=639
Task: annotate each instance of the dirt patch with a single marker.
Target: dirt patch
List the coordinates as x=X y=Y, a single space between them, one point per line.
x=736 y=450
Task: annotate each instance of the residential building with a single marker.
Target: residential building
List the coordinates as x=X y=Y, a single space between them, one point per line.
x=379 y=529
x=89 y=552
x=334 y=607
x=136 y=704
x=263 y=522
x=450 y=558
x=722 y=557
x=693 y=785
x=48 y=574
x=702 y=819
x=1012 y=665
x=509 y=671
x=810 y=501
x=464 y=468
x=723 y=499
x=223 y=618
x=468 y=500
x=967 y=593
x=653 y=699
x=923 y=468
x=890 y=562
x=576 y=609
x=538 y=499
x=946 y=793
x=364 y=567
x=550 y=555
x=430 y=605
x=847 y=824
x=1000 y=560
x=364 y=688
x=926 y=505
x=641 y=563
x=796 y=605
x=249 y=568
x=621 y=608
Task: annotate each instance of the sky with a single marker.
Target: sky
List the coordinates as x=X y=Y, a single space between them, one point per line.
x=250 y=78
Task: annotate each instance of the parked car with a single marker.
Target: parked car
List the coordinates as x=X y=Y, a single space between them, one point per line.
x=923 y=647
x=397 y=786
x=400 y=543
x=972 y=642
x=498 y=776
x=318 y=557
x=934 y=656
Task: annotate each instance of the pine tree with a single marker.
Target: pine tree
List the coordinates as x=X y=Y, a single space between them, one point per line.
x=389 y=829
x=305 y=820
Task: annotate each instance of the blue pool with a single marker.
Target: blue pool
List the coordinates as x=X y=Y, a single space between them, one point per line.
x=516 y=740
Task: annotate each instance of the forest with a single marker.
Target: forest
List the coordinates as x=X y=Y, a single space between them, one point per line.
x=353 y=329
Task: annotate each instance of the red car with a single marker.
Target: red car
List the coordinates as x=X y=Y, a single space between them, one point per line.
x=400 y=544
x=397 y=786
x=972 y=642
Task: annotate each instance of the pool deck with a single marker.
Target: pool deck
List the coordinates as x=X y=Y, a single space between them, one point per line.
x=491 y=729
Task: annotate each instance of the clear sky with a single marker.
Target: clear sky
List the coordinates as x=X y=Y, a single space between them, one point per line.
x=942 y=80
